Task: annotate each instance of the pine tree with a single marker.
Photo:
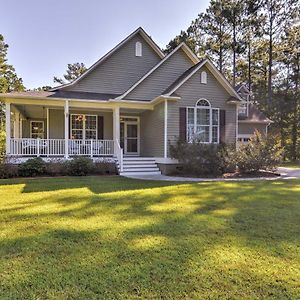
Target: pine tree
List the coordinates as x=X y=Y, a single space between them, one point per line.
x=73 y=71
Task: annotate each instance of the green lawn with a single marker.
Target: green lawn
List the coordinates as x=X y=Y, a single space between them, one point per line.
x=291 y=164
x=112 y=237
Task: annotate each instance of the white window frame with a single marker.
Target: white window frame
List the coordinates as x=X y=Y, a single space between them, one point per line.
x=210 y=108
x=203 y=77
x=138 y=49
x=37 y=121
x=84 y=125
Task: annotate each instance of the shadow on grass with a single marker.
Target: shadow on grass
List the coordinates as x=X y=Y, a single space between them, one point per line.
x=206 y=240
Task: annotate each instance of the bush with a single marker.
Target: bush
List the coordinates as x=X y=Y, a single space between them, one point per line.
x=198 y=158
x=79 y=166
x=261 y=153
x=32 y=167
x=55 y=168
x=104 y=168
x=8 y=169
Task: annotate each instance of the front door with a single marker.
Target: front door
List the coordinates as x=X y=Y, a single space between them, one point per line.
x=129 y=135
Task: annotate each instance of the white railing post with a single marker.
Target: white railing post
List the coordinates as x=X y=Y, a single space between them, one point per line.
x=66 y=111
x=7 y=127
x=38 y=147
x=91 y=148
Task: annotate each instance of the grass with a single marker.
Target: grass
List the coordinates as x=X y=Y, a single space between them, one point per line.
x=118 y=238
x=291 y=164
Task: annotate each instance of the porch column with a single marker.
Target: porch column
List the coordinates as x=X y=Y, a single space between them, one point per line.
x=116 y=123
x=17 y=125
x=166 y=130
x=7 y=127
x=66 y=111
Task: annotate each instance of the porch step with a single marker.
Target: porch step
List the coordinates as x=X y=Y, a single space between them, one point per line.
x=139 y=166
x=139 y=173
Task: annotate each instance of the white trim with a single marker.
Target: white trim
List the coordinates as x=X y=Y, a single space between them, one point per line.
x=228 y=87
x=48 y=123
x=138 y=49
x=137 y=122
x=203 y=77
x=166 y=130
x=8 y=126
x=107 y=55
x=84 y=125
x=37 y=121
x=66 y=116
x=186 y=49
x=210 y=126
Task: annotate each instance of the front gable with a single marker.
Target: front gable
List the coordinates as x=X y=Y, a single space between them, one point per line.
x=154 y=84
x=192 y=90
x=118 y=72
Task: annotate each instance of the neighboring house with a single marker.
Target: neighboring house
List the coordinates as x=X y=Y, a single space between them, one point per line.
x=129 y=106
x=250 y=117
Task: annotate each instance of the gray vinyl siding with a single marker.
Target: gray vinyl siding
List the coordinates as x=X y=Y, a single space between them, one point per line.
x=57 y=125
x=161 y=78
x=190 y=92
x=120 y=71
x=152 y=132
x=248 y=128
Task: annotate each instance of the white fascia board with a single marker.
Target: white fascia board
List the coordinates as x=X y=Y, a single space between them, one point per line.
x=108 y=54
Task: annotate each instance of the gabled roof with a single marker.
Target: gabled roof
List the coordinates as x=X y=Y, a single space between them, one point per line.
x=189 y=73
x=254 y=116
x=140 y=31
x=190 y=54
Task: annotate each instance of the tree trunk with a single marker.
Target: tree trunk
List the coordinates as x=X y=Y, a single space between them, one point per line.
x=270 y=62
x=249 y=66
x=234 y=54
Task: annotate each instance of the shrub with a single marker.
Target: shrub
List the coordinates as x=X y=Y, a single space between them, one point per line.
x=32 y=167
x=55 y=168
x=104 y=167
x=261 y=153
x=79 y=166
x=8 y=169
x=198 y=158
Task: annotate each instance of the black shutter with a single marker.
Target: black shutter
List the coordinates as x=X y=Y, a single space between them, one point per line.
x=182 y=123
x=100 y=128
x=222 y=125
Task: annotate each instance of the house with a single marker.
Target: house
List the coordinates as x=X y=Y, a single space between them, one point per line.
x=129 y=107
x=250 y=118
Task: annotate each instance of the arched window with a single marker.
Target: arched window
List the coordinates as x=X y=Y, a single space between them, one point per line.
x=203 y=77
x=138 y=49
x=203 y=123
x=203 y=102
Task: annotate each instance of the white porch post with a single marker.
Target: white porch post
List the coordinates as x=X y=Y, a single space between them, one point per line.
x=116 y=125
x=17 y=125
x=7 y=127
x=166 y=130
x=66 y=111
x=48 y=121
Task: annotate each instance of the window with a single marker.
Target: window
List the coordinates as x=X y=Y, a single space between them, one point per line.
x=204 y=77
x=138 y=49
x=203 y=123
x=243 y=108
x=37 y=129
x=83 y=127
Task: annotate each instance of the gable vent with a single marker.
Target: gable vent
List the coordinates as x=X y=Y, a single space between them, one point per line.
x=138 y=49
x=203 y=78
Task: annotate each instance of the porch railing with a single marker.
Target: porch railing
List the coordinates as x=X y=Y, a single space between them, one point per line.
x=56 y=147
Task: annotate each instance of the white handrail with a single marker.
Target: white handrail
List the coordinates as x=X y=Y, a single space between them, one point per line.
x=119 y=154
x=56 y=147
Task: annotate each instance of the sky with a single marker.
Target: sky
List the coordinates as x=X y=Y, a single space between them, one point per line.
x=45 y=35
